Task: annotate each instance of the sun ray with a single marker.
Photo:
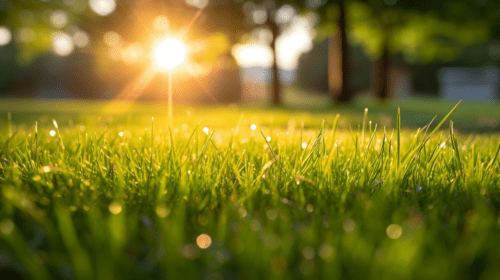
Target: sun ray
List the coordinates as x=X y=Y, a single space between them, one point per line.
x=135 y=88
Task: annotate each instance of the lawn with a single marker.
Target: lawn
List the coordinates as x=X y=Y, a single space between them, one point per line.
x=101 y=190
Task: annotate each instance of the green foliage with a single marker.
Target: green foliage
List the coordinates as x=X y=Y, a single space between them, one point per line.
x=421 y=31
x=108 y=196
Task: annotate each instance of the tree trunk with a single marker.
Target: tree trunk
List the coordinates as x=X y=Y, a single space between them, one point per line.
x=381 y=77
x=275 y=83
x=338 y=64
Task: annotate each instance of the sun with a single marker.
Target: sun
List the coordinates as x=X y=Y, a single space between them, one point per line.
x=170 y=53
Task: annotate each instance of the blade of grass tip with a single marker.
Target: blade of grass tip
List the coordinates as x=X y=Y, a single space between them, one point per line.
x=36 y=144
x=455 y=146
x=425 y=133
x=442 y=121
x=315 y=144
x=365 y=116
x=183 y=149
x=58 y=133
x=269 y=145
x=152 y=148
x=371 y=139
x=205 y=146
x=494 y=158
x=9 y=124
x=334 y=131
x=398 y=134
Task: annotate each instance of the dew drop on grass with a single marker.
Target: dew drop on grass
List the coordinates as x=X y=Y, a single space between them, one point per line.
x=121 y=134
x=253 y=127
x=268 y=138
x=52 y=133
x=204 y=241
x=115 y=208
x=205 y=129
x=394 y=231
x=304 y=145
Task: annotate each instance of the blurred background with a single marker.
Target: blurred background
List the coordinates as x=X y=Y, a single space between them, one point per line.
x=295 y=52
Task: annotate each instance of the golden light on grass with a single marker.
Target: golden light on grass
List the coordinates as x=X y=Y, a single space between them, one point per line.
x=170 y=53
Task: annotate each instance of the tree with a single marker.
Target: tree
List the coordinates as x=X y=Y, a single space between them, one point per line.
x=273 y=17
x=422 y=31
x=334 y=24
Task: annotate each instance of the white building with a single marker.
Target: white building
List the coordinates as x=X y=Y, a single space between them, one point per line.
x=469 y=83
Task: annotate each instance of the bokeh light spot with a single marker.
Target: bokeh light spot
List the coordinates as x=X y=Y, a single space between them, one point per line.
x=5 y=36
x=113 y=39
x=204 y=241
x=197 y=3
x=102 y=7
x=394 y=231
x=58 y=19
x=62 y=44
x=349 y=225
x=115 y=208
x=81 y=39
x=162 y=211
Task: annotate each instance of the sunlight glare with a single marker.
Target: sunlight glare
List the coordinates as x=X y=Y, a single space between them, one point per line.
x=170 y=53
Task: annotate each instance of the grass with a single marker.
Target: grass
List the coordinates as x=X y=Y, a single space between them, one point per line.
x=96 y=194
